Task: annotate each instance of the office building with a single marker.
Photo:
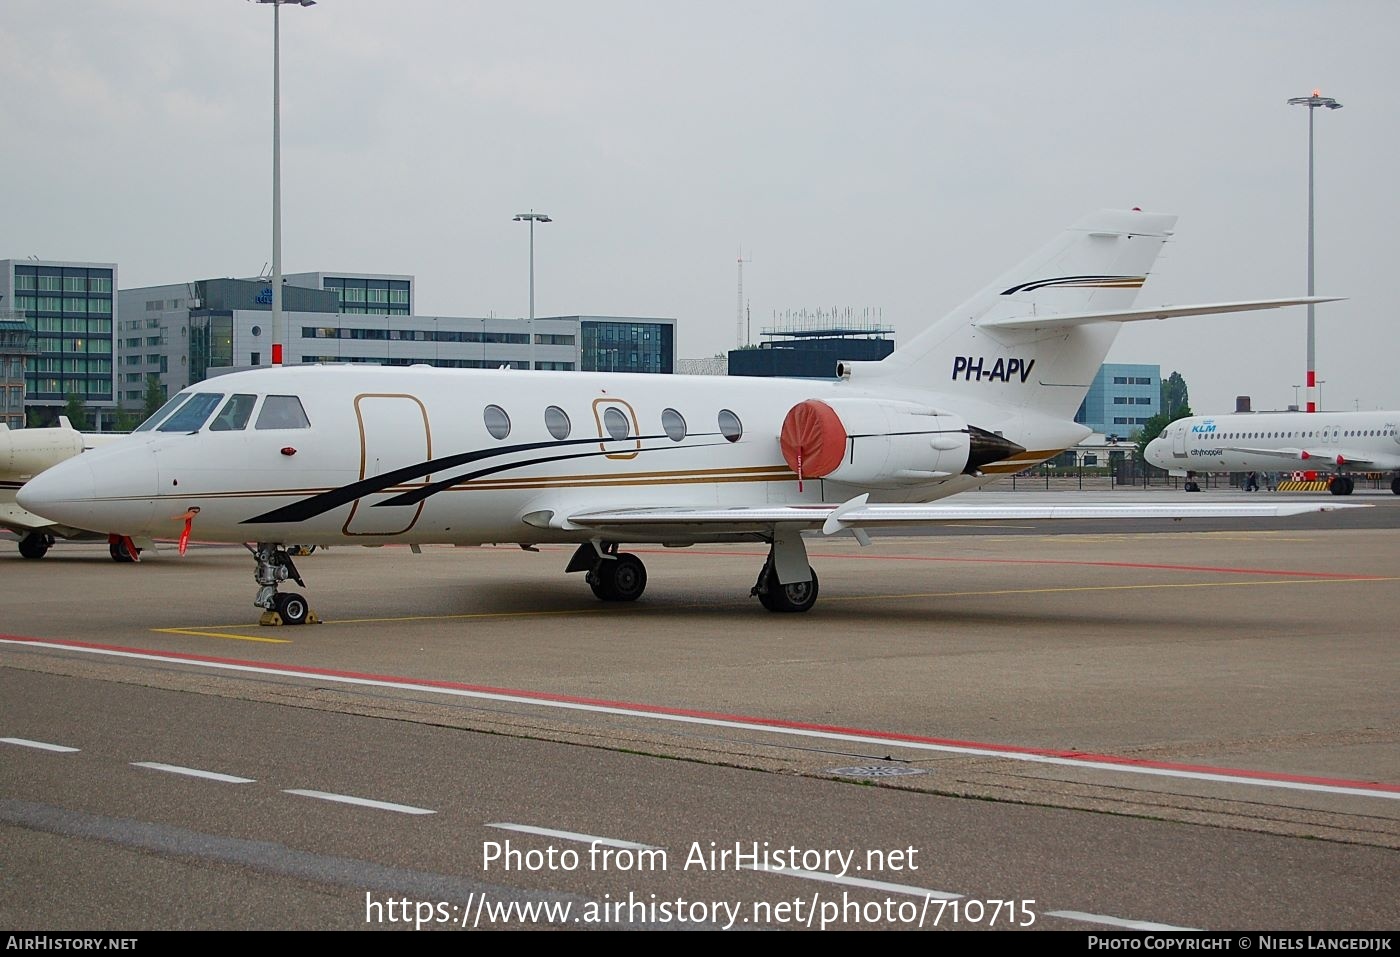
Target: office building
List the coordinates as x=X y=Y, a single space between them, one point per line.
x=1121 y=398
x=71 y=312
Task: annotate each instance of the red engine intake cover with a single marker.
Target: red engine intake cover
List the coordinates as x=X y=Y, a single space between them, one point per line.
x=813 y=439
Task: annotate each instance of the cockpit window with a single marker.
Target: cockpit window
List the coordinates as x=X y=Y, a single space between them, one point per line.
x=282 y=412
x=193 y=413
x=162 y=412
x=234 y=415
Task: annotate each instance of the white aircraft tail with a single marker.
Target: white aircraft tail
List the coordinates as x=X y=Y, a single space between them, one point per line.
x=1078 y=284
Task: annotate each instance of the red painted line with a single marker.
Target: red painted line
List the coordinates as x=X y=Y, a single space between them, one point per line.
x=891 y=736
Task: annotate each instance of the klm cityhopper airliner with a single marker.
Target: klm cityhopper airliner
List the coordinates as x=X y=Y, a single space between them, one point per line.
x=325 y=455
x=1337 y=444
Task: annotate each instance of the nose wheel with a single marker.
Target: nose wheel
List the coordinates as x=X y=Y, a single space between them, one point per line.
x=275 y=566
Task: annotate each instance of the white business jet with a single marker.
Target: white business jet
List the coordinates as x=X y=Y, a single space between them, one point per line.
x=1334 y=443
x=331 y=455
x=24 y=453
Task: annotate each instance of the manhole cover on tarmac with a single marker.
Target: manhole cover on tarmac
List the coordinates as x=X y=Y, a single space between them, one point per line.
x=875 y=771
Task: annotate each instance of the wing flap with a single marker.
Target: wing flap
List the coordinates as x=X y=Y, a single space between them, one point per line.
x=861 y=515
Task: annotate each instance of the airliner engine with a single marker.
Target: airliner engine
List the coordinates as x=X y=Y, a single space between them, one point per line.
x=884 y=443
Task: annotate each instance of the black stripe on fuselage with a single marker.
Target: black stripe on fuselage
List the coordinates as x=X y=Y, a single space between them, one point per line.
x=309 y=508
x=414 y=496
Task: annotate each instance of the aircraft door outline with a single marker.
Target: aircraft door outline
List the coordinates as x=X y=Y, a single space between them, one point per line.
x=388 y=420
x=600 y=410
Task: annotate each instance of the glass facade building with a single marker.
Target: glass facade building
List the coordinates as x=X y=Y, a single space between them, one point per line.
x=618 y=344
x=1121 y=398
x=70 y=310
x=362 y=294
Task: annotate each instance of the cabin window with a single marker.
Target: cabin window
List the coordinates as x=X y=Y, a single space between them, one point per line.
x=729 y=425
x=557 y=421
x=193 y=413
x=497 y=422
x=282 y=412
x=235 y=414
x=674 y=424
x=615 y=422
x=162 y=412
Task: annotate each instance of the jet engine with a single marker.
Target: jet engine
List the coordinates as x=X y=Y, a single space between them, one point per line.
x=25 y=453
x=881 y=443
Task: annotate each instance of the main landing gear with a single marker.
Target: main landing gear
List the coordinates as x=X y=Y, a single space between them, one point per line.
x=1344 y=485
x=35 y=545
x=613 y=575
x=775 y=596
x=274 y=567
x=1395 y=485
x=786 y=582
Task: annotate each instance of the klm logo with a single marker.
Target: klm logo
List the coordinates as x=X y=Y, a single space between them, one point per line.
x=978 y=369
x=265 y=297
x=1203 y=428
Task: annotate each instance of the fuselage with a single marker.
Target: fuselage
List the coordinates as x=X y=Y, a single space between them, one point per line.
x=336 y=454
x=1327 y=442
x=24 y=453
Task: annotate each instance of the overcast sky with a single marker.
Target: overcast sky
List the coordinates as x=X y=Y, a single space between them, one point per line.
x=884 y=155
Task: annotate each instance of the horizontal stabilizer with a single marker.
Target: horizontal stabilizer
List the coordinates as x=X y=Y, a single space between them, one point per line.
x=1066 y=320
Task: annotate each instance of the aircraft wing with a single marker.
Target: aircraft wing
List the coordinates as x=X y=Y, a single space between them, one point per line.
x=859 y=514
x=17 y=520
x=1294 y=454
x=1063 y=320
x=1328 y=459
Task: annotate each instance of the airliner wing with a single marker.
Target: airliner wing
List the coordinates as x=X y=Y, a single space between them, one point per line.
x=857 y=513
x=1295 y=454
x=1067 y=319
x=1303 y=455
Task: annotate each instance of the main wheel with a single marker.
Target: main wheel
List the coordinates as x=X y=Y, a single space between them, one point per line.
x=1395 y=485
x=292 y=607
x=122 y=551
x=623 y=578
x=35 y=545
x=799 y=596
x=629 y=578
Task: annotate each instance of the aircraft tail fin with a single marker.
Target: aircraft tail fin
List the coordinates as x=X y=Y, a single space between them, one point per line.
x=1094 y=267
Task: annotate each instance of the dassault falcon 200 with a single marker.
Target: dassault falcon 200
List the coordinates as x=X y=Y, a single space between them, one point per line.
x=330 y=455
x=1336 y=444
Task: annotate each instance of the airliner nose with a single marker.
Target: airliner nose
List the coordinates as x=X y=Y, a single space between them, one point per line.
x=62 y=494
x=1153 y=452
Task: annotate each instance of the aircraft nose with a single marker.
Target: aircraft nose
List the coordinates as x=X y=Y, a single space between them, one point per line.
x=63 y=493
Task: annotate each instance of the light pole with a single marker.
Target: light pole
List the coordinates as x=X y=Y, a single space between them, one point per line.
x=532 y=217
x=277 y=173
x=1312 y=103
x=1320 y=383
x=1295 y=397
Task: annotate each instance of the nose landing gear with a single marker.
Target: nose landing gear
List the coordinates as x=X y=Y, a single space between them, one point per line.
x=275 y=566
